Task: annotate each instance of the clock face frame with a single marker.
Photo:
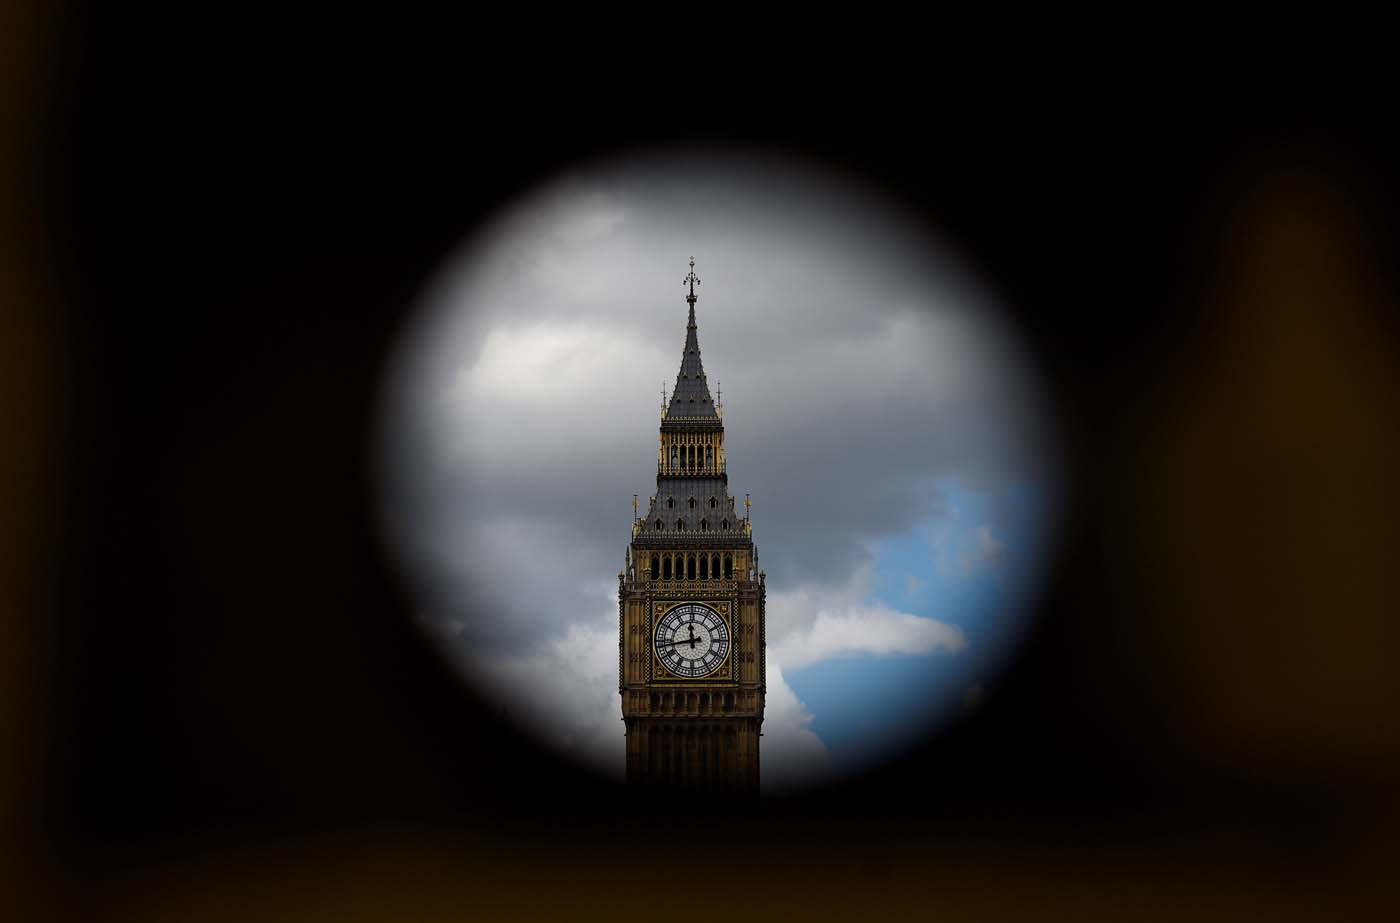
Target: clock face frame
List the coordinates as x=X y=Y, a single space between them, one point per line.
x=691 y=641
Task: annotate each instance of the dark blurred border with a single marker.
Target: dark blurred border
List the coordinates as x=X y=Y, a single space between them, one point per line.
x=214 y=704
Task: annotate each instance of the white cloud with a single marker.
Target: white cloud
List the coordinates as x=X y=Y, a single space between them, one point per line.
x=795 y=606
x=791 y=754
x=547 y=363
x=866 y=629
x=551 y=393
x=809 y=623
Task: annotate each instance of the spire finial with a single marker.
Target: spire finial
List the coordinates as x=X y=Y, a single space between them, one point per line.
x=693 y=280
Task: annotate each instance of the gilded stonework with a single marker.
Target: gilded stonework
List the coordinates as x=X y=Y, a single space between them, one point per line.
x=722 y=675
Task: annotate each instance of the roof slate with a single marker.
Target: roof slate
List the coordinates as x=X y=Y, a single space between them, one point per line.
x=690 y=398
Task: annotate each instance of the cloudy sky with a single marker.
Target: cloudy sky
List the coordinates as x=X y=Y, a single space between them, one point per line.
x=877 y=408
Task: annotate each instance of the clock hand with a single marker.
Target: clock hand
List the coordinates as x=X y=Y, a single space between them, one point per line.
x=673 y=642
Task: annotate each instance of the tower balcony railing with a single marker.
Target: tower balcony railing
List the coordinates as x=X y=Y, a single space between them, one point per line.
x=711 y=585
x=739 y=533
x=701 y=419
x=701 y=470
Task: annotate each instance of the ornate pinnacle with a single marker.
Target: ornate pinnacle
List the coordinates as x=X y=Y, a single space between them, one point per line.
x=693 y=280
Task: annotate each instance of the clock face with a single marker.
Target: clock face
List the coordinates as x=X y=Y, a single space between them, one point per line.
x=691 y=640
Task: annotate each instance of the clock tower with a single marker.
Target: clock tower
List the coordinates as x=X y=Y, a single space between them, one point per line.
x=690 y=605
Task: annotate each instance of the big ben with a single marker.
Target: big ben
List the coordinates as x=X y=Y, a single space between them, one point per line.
x=690 y=605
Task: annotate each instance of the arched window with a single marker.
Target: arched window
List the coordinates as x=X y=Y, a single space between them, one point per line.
x=704 y=567
x=704 y=524
x=680 y=525
x=713 y=503
x=666 y=574
x=690 y=567
x=655 y=568
x=673 y=458
x=728 y=567
x=714 y=566
x=658 y=525
x=723 y=524
x=670 y=502
x=692 y=503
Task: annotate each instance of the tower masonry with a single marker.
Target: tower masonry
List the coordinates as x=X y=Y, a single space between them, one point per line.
x=691 y=604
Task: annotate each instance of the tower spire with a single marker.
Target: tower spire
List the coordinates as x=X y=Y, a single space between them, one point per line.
x=694 y=280
x=691 y=396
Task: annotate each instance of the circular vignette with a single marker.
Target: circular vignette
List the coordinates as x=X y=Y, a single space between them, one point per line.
x=879 y=408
